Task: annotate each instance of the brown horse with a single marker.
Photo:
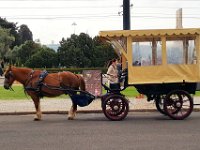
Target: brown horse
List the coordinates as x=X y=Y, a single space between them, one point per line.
x=50 y=86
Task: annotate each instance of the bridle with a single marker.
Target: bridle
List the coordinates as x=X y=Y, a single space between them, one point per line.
x=7 y=78
x=9 y=74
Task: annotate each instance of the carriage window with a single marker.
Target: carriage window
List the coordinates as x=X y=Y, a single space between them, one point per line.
x=192 y=58
x=147 y=53
x=174 y=52
x=181 y=52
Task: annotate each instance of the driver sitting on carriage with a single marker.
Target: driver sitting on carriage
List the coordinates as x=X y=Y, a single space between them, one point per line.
x=115 y=75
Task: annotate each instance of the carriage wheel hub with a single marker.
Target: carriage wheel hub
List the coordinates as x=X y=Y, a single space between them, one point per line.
x=115 y=107
x=178 y=104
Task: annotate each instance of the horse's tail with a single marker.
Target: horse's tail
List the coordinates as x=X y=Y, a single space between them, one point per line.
x=82 y=83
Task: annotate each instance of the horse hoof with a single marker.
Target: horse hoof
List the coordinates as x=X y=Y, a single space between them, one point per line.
x=36 y=119
x=70 y=118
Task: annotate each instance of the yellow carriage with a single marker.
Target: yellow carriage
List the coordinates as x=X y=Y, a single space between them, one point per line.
x=163 y=64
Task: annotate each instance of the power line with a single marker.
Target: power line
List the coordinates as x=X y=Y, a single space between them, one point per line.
x=96 y=0
x=94 y=6
x=166 y=7
x=180 y=0
x=61 y=7
x=60 y=17
x=55 y=0
x=172 y=14
x=106 y=14
x=94 y=17
x=165 y=17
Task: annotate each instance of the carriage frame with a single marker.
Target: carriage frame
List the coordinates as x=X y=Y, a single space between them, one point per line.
x=169 y=81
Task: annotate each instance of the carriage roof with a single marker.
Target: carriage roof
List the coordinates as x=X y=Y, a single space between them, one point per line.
x=150 y=32
x=173 y=54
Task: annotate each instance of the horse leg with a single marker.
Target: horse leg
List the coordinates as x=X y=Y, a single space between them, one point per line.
x=72 y=112
x=38 y=109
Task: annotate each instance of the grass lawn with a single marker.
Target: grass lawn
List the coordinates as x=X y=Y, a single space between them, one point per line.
x=18 y=93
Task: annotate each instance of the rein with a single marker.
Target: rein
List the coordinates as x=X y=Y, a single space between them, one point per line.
x=11 y=89
x=30 y=78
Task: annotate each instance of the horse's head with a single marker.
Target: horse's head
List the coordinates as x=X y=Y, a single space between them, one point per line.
x=9 y=78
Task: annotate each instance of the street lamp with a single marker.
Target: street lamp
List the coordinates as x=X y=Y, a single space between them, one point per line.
x=74 y=24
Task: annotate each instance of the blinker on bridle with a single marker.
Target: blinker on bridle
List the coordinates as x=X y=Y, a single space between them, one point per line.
x=7 y=76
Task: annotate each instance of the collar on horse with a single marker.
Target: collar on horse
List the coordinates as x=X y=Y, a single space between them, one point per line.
x=30 y=76
x=39 y=83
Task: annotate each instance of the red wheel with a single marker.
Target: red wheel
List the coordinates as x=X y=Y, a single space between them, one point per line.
x=160 y=104
x=115 y=107
x=178 y=104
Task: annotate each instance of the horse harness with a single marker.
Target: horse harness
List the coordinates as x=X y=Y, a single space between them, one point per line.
x=38 y=84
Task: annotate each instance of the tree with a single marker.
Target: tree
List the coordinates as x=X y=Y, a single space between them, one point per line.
x=77 y=51
x=25 y=34
x=70 y=53
x=85 y=43
x=65 y=51
x=83 y=51
x=46 y=57
x=13 y=30
x=31 y=54
x=20 y=54
x=5 y=41
x=21 y=34
x=27 y=49
x=103 y=52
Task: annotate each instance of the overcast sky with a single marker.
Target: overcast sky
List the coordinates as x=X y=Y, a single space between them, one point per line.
x=51 y=20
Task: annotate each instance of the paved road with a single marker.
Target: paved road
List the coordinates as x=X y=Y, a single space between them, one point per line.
x=139 y=131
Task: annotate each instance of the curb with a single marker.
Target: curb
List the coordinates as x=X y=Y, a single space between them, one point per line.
x=80 y=111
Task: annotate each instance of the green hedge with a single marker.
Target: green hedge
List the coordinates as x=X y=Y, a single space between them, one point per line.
x=74 y=70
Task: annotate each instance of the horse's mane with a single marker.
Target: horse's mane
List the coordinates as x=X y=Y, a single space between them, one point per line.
x=21 y=68
x=13 y=67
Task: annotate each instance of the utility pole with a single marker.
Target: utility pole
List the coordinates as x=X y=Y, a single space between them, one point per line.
x=185 y=41
x=179 y=19
x=126 y=15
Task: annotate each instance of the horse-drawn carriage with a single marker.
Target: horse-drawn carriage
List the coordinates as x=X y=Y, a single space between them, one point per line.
x=162 y=64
